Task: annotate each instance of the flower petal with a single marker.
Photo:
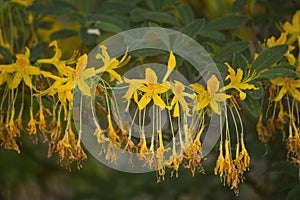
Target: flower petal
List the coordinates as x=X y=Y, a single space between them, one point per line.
x=158 y=101
x=144 y=101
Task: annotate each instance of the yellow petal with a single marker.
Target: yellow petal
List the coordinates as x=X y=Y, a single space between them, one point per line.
x=145 y=89
x=215 y=107
x=144 y=101
x=88 y=73
x=220 y=97
x=239 y=75
x=203 y=102
x=84 y=88
x=27 y=80
x=81 y=63
x=9 y=68
x=171 y=61
x=3 y=78
x=279 y=81
x=158 y=101
x=13 y=84
x=281 y=93
x=213 y=85
x=114 y=75
x=198 y=88
x=150 y=76
x=294 y=92
x=242 y=95
x=33 y=70
x=158 y=88
x=230 y=71
x=296 y=19
x=134 y=84
x=176 y=110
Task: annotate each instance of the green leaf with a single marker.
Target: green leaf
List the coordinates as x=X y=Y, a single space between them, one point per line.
x=252 y=106
x=5 y=53
x=239 y=5
x=277 y=72
x=37 y=50
x=88 y=39
x=239 y=61
x=63 y=34
x=54 y=8
x=269 y=57
x=118 y=6
x=226 y=22
x=221 y=67
x=186 y=14
x=160 y=5
x=147 y=52
x=256 y=94
x=139 y=15
x=232 y=48
x=119 y=23
x=194 y=27
x=109 y=27
x=294 y=193
x=212 y=34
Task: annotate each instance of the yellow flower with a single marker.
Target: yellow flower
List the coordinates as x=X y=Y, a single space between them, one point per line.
x=179 y=94
x=152 y=90
x=42 y=121
x=263 y=134
x=237 y=82
x=294 y=28
x=160 y=157
x=175 y=159
x=24 y=3
x=242 y=160
x=219 y=169
x=82 y=74
x=212 y=95
x=134 y=85
x=22 y=70
x=4 y=77
x=288 y=85
x=55 y=60
x=281 y=40
x=202 y=99
x=32 y=123
x=171 y=66
x=111 y=64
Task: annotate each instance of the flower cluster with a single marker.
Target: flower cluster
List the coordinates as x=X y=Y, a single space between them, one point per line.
x=188 y=107
x=168 y=117
x=282 y=110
